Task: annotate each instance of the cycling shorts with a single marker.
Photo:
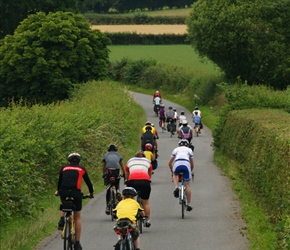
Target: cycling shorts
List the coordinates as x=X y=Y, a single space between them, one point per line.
x=143 y=186
x=182 y=166
x=76 y=194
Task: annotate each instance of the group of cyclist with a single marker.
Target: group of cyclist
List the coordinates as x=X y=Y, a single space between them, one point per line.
x=137 y=173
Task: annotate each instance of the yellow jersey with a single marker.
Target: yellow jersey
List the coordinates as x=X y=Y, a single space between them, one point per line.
x=148 y=154
x=128 y=208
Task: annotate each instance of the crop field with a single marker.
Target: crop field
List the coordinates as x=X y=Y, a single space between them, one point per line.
x=144 y=29
x=177 y=55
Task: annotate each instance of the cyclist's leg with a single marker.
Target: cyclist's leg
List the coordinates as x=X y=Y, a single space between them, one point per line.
x=187 y=178
x=77 y=214
x=145 y=195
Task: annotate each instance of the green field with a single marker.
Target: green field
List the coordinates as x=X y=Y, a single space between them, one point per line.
x=178 y=55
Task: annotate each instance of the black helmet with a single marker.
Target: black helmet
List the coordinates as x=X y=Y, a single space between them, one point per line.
x=129 y=192
x=112 y=147
x=182 y=112
x=183 y=142
x=169 y=107
x=196 y=108
x=174 y=109
x=74 y=157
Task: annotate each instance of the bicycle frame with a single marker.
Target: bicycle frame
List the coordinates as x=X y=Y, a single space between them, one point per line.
x=140 y=219
x=113 y=200
x=68 y=232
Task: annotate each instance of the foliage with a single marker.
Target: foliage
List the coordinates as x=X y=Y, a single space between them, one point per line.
x=249 y=39
x=241 y=96
x=137 y=18
x=126 y=38
x=146 y=73
x=259 y=139
x=35 y=141
x=13 y=11
x=47 y=55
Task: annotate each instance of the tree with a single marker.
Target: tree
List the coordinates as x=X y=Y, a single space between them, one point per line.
x=48 y=54
x=14 y=11
x=246 y=39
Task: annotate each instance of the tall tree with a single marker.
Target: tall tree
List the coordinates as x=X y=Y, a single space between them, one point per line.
x=48 y=54
x=249 y=39
x=14 y=11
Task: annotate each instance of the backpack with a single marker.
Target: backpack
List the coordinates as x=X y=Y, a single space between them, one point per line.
x=185 y=132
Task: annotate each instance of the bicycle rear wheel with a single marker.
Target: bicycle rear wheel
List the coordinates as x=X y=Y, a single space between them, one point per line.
x=112 y=203
x=140 y=218
x=183 y=201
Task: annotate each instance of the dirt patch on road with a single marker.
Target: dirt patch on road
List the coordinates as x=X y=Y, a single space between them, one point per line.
x=143 y=29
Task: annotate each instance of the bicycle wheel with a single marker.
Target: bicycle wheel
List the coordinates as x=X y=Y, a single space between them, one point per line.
x=112 y=202
x=183 y=202
x=140 y=218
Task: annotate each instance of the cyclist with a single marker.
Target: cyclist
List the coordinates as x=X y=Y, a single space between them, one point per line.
x=69 y=185
x=185 y=131
x=197 y=120
x=182 y=117
x=197 y=112
x=112 y=162
x=157 y=94
x=162 y=116
x=169 y=115
x=150 y=156
x=153 y=131
x=129 y=208
x=181 y=159
x=175 y=115
x=149 y=137
x=138 y=172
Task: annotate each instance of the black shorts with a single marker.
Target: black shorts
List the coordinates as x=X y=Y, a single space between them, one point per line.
x=143 y=186
x=76 y=194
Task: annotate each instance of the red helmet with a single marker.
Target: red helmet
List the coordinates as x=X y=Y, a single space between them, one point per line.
x=148 y=146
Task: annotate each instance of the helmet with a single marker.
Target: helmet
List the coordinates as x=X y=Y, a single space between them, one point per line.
x=174 y=109
x=196 y=108
x=184 y=122
x=129 y=192
x=169 y=107
x=148 y=123
x=74 y=157
x=112 y=147
x=183 y=142
x=140 y=154
x=148 y=146
x=182 y=112
x=152 y=124
x=162 y=105
x=148 y=128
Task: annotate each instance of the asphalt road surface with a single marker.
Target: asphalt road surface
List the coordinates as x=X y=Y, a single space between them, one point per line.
x=213 y=224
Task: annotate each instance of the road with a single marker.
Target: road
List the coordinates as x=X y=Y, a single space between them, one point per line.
x=213 y=224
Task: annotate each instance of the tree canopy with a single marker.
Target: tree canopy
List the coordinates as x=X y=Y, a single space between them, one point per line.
x=48 y=54
x=246 y=39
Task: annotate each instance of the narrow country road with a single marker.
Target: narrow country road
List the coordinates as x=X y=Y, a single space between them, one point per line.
x=213 y=224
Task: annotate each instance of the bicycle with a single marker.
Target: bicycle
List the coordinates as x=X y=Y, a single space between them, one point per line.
x=171 y=127
x=140 y=219
x=182 y=194
x=113 y=194
x=156 y=109
x=68 y=231
x=124 y=228
x=197 y=129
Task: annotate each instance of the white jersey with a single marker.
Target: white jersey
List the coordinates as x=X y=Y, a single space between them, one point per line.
x=198 y=112
x=157 y=100
x=182 y=118
x=181 y=156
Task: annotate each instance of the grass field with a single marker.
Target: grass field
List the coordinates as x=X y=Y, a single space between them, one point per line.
x=178 y=55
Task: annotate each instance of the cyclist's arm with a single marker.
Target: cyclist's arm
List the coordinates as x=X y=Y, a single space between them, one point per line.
x=127 y=173
x=122 y=167
x=170 y=163
x=89 y=183
x=104 y=167
x=191 y=163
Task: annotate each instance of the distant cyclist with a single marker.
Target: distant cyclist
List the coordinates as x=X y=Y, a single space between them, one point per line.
x=182 y=117
x=149 y=137
x=151 y=156
x=185 y=131
x=157 y=94
x=197 y=112
x=69 y=185
x=162 y=116
x=182 y=160
x=169 y=115
x=153 y=130
x=197 y=120
x=112 y=162
x=129 y=208
x=138 y=173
